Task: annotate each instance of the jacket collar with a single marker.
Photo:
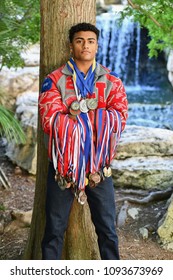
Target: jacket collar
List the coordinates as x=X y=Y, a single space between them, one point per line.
x=100 y=70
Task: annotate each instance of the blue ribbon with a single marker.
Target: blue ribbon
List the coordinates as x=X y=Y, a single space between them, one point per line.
x=84 y=84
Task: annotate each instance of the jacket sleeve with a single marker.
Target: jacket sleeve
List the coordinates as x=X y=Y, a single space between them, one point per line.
x=117 y=104
x=50 y=102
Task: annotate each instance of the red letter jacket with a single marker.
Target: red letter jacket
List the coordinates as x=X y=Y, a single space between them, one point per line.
x=88 y=143
x=58 y=93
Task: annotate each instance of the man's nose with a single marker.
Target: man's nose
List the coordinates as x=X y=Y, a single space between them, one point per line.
x=85 y=44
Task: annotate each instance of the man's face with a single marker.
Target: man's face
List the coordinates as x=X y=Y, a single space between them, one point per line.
x=84 y=46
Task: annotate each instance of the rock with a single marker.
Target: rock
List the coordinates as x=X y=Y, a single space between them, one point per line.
x=21 y=219
x=16 y=81
x=165 y=230
x=142 y=141
x=122 y=215
x=17 y=170
x=151 y=228
x=144 y=158
x=31 y=55
x=133 y=213
x=144 y=232
x=25 y=155
x=22 y=216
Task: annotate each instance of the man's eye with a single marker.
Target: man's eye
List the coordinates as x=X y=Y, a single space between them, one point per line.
x=91 y=42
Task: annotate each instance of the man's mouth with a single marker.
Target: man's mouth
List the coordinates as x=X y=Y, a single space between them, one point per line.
x=85 y=52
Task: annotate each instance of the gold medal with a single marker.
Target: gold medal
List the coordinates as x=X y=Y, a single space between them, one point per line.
x=107 y=171
x=92 y=103
x=86 y=181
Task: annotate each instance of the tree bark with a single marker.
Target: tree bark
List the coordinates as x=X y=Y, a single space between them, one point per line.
x=57 y=16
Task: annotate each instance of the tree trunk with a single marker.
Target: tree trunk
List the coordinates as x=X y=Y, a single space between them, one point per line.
x=57 y=16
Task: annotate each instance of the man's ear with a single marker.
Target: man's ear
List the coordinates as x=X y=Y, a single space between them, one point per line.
x=71 y=48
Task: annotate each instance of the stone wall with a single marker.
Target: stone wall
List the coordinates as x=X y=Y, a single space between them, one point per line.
x=144 y=158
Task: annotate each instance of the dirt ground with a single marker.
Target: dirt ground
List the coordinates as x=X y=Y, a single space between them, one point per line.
x=131 y=243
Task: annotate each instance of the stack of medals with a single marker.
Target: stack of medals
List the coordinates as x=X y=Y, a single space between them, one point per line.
x=93 y=181
x=84 y=105
x=63 y=183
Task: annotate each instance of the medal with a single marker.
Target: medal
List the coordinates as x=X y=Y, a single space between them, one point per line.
x=82 y=198
x=92 y=103
x=75 y=105
x=68 y=182
x=61 y=183
x=74 y=112
x=94 y=179
x=86 y=181
x=75 y=108
x=107 y=171
x=83 y=106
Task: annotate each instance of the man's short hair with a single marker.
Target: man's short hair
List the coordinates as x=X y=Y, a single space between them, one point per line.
x=82 y=27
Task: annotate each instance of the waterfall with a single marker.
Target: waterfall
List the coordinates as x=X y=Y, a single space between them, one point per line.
x=115 y=45
x=137 y=55
x=123 y=49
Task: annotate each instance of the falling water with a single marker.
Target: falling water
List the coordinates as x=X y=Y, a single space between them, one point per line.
x=116 y=42
x=122 y=50
x=137 y=55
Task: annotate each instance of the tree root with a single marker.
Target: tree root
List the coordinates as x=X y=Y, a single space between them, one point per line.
x=151 y=197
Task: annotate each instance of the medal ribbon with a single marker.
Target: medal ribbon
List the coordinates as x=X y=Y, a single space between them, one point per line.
x=83 y=146
x=84 y=84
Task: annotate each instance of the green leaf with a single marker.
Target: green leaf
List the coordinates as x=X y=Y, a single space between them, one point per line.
x=156 y=16
x=10 y=126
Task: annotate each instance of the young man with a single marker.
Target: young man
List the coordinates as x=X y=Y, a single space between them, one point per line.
x=83 y=108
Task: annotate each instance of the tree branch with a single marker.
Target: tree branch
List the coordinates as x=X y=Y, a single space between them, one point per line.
x=137 y=7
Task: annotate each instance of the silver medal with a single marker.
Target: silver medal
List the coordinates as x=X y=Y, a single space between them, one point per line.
x=83 y=106
x=92 y=103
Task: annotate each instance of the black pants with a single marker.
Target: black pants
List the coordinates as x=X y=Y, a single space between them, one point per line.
x=101 y=201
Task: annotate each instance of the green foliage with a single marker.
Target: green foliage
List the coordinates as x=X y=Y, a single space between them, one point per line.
x=157 y=17
x=2 y=207
x=10 y=126
x=19 y=26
